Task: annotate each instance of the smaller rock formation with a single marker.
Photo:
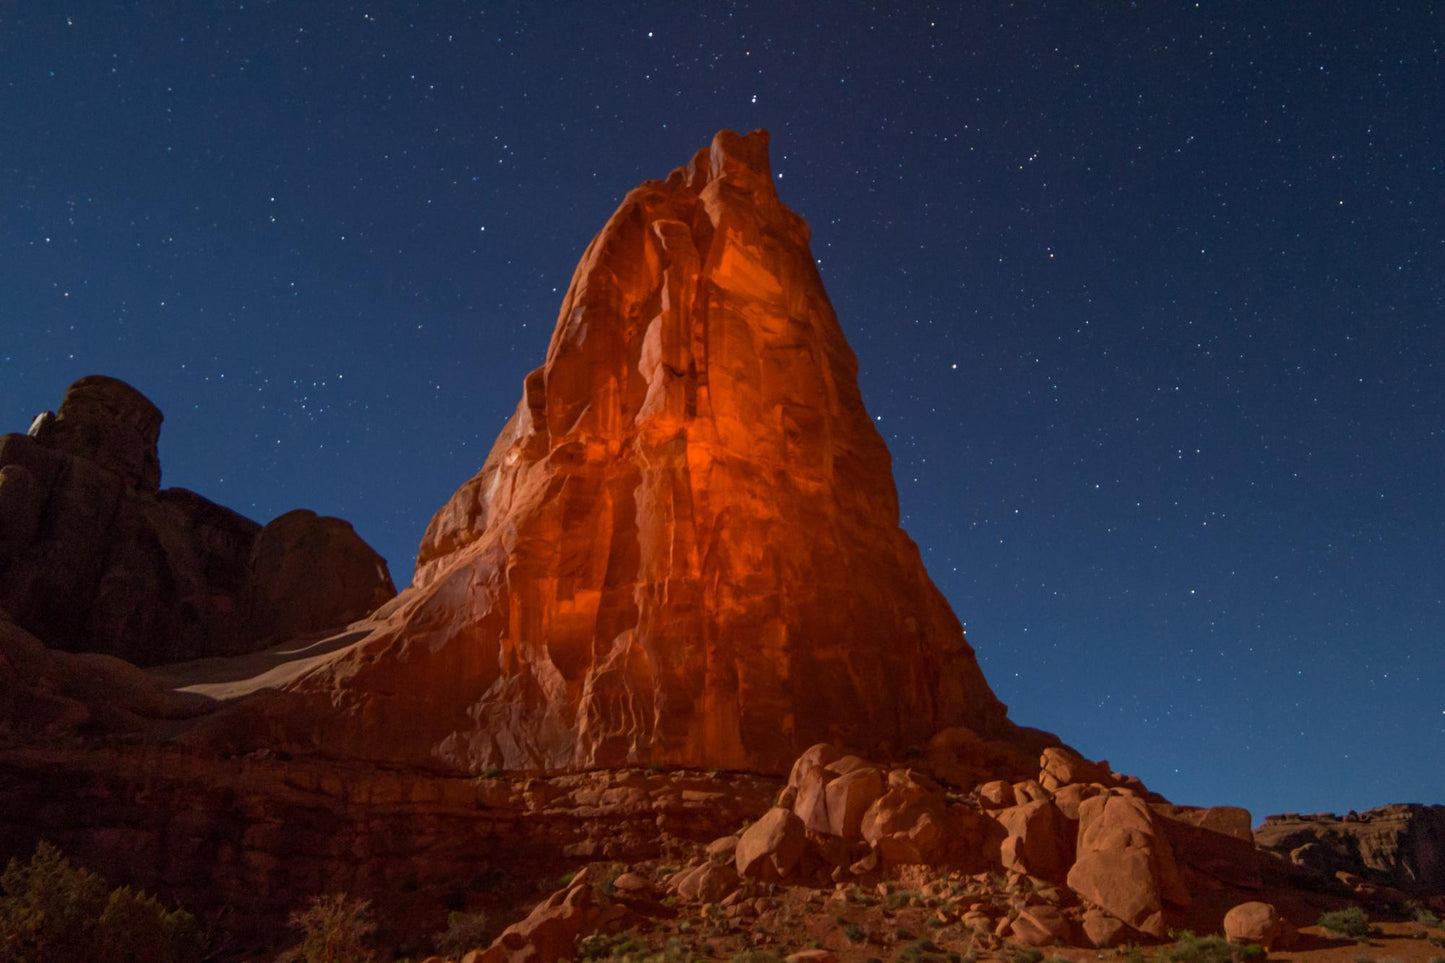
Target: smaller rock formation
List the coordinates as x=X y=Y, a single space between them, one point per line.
x=95 y=556
x=1400 y=846
x=308 y=572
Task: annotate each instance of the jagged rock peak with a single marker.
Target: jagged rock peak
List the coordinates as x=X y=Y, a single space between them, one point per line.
x=684 y=547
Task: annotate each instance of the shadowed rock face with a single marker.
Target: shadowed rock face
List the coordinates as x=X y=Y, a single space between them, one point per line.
x=684 y=547
x=95 y=557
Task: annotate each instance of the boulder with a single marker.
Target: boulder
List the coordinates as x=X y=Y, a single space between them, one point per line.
x=770 y=848
x=1228 y=820
x=548 y=933
x=707 y=883
x=1061 y=766
x=1228 y=856
x=1124 y=864
x=848 y=799
x=1258 y=922
x=963 y=758
x=813 y=758
x=1068 y=798
x=1103 y=930
x=909 y=822
x=1039 y=925
x=830 y=792
x=1038 y=840
x=997 y=794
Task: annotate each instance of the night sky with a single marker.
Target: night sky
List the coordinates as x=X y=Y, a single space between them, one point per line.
x=1148 y=300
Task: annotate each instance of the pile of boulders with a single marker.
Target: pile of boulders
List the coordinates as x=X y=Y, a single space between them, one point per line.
x=1071 y=854
x=1113 y=858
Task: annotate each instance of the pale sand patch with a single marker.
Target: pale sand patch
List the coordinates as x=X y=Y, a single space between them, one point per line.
x=231 y=677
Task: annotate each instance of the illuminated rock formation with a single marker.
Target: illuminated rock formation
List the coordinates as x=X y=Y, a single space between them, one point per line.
x=684 y=547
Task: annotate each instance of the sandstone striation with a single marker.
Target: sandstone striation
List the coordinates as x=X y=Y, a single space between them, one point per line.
x=684 y=547
x=95 y=556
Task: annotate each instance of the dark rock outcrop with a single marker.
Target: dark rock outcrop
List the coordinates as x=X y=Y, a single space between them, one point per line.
x=95 y=556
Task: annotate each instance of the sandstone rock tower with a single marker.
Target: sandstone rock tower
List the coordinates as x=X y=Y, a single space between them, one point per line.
x=684 y=547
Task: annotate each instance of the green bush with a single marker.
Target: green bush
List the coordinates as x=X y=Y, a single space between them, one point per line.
x=1423 y=915
x=51 y=910
x=901 y=898
x=335 y=928
x=755 y=956
x=1021 y=954
x=626 y=945
x=465 y=932
x=1189 y=948
x=1350 y=922
x=926 y=951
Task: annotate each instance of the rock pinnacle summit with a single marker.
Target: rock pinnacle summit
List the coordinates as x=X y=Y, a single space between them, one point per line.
x=684 y=547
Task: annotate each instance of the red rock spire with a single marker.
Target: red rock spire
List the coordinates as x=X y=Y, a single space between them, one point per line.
x=684 y=546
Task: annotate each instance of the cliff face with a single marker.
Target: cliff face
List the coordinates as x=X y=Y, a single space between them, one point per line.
x=96 y=557
x=684 y=547
x=1401 y=845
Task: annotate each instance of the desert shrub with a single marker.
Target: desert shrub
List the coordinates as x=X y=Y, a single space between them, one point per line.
x=335 y=928
x=1021 y=954
x=1189 y=948
x=464 y=932
x=755 y=956
x=1350 y=922
x=626 y=945
x=1423 y=915
x=1251 y=953
x=898 y=899
x=136 y=928
x=855 y=932
x=921 y=951
x=52 y=910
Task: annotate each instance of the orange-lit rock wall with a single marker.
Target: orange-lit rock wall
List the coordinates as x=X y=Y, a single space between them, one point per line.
x=684 y=548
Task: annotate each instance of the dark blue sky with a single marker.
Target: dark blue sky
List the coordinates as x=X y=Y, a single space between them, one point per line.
x=1149 y=303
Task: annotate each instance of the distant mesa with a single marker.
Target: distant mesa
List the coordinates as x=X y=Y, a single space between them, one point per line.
x=1400 y=846
x=684 y=547
x=95 y=556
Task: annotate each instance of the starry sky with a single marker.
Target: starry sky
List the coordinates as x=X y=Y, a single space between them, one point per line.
x=1148 y=299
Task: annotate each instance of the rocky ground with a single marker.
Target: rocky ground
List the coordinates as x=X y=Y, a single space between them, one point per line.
x=943 y=875
x=920 y=916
